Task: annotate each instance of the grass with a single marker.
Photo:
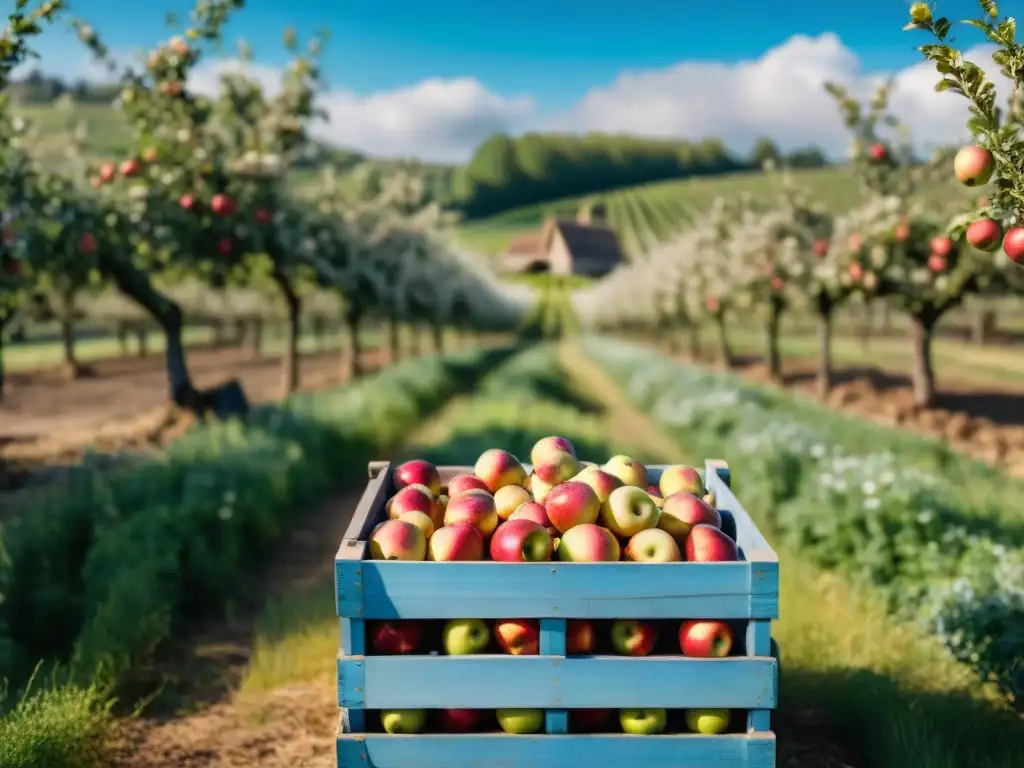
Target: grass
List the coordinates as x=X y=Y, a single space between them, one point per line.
x=63 y=726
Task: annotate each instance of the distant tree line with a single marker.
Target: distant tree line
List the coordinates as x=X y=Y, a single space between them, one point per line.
x=37 y=88
x=507 y=172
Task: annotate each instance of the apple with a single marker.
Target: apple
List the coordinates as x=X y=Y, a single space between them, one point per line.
x=902 y=232
x=629 y=510
x=397 y=540
x=508 y=499
x=531 y=510
x=464 y=637
x=570 y=504
x=855 y=243
x=518 y=721
x=653 y=545
x=602 y=482
x=681 y=511
x=705 y=639
x=421 y=520
x=973 y=166
x=262 y=216
x=554 y=460
x=222 y=205
x=518 y=637
x=412 y=498
x=580 y=637
x=390 y=637
x=707 y=721
x=1013 y=244
x=521 y=540
x=498 y=468
x=459 y=720
x=680 y=477
x=941 y=245
x=633 y=637
x=437 y=510
x=418 y=472
x=108 y=171
x=462 y=483
x=150 y=155
x=628 y=470
x=225 y=245
x=87 y=243
x=129 y=168
x=403 y=720
x=710 y=499
x=878 y=152
x=984 y=234
x=707 y=544
x=475 y=508
x=821 y=248
x=590 y=719
x=459 y=541
x=643 y=722
x=937 y=263
x=588 y=543
x=187 y=201
x=539 y=488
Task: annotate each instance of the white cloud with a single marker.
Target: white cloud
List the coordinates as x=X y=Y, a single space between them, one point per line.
x=779 y=95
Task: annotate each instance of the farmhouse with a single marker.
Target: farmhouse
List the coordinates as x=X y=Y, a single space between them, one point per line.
x=586 y=246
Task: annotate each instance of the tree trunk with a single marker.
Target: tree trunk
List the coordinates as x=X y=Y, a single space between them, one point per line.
x=290 y=357
x=983 y=326
x=394 y=340
x=823 y=380
x=693 y=341
x=224 y=401
x=121 y=330
x=922 y=332
x=142 y=337
x=437 y=335
x=867 y=319
x=256 y=327
x=320 y=332
x=67 y=343
x=4 y=319
x=725 y=350
x=775 y=309
x=353 y=360
x=240 y=332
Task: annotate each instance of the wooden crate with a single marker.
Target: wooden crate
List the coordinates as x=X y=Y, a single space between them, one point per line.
x=552 y=592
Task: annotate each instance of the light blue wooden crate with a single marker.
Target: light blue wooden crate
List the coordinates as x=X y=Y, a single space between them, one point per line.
x=553 y=592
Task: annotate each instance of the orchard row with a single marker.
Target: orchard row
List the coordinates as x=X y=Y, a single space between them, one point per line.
x=205 y=195
x=898 y=246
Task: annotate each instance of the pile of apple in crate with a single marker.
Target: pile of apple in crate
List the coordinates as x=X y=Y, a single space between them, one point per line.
x=565 y=510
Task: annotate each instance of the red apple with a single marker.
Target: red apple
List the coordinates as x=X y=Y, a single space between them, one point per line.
x=632 y=637
x=397 y=540
x=129 y=168
x=459 y=541
x=902 y=232
x=412 y=498
x=973 y=166
x=187 y=201
x=984 y=234
x=262 y=216
x=224 y=246
x=517 y=541
x=941 y=245
x=418 y=472
x=87 y=243
x=1013 y=245
x=222 y=205
x=459 y=720
x=519 y=637
x=531 y=510
x=587 y=720
x=498 y=468
x=580 y=637
x=856 y=242
x=856 y=271
x=778 y=284
x=705 y=639
x=108 y=171
x=570 y=504
x=474 y=507
x=462 y=483
x=707 y=544
x=554 y=460
x=878 y=152
x=602 y=482
x=937 y=263
x=682 y=511
x=821 y=248
x=391 y=637
x=589 y=543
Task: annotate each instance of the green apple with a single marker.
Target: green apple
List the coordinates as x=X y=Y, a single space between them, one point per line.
x=628 y=470
x=629 y=510
x=521 y=720
x=403 y=720
x=465 y=636
x=707 y=721
x=643 y=722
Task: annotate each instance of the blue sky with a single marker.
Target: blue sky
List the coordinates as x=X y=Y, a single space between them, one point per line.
x=551 y=52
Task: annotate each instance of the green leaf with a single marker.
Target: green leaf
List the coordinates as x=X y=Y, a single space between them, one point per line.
x=947 y=84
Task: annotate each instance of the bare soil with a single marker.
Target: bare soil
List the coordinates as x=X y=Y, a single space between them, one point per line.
x=983 y=420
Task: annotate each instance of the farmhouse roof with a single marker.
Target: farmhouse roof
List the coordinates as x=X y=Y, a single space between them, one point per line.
x=593 y=240
x=523 y=244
